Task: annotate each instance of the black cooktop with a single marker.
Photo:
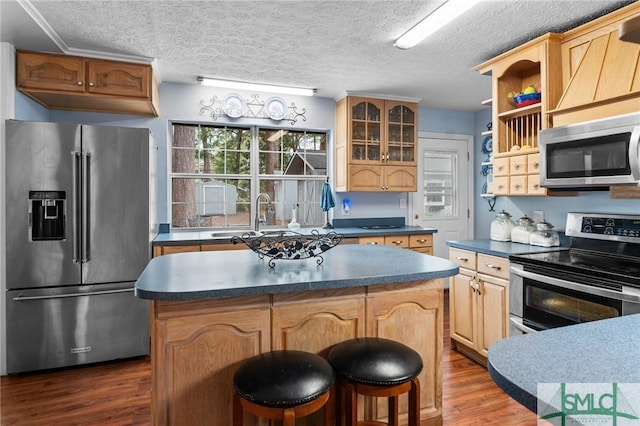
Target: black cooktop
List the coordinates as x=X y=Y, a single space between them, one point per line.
x=613 y=264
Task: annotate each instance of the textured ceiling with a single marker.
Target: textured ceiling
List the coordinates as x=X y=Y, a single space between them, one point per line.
x=333 y=46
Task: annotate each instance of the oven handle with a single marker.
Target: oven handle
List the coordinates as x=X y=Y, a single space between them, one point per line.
x=517 y=323
x=627 y=294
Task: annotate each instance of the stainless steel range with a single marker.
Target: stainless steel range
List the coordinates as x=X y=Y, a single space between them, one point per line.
x=598 y=277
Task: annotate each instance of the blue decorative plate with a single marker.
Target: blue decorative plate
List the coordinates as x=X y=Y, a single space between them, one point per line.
x=487 y=145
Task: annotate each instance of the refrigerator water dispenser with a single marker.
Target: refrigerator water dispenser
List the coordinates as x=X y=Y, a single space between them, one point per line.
x=46 y=215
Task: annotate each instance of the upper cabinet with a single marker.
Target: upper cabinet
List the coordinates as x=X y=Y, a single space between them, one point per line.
x=376 y=143
x=516 y=127
x=85 y=84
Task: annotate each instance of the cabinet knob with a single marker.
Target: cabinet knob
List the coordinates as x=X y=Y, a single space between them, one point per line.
x=79 y=83
x=91 y=84
x=516 y=186
x=536 y=186
x=536 y=165
x=516 y=166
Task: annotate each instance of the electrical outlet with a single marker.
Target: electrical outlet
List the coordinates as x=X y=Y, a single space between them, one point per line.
x=538 y=216
x=403 y=203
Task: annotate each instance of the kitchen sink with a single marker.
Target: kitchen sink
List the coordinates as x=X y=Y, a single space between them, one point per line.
x=238 y=233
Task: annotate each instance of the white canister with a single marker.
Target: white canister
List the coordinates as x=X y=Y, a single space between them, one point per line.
x=522 y=231
x=501 y=227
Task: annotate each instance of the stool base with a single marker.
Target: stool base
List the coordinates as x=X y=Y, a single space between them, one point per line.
x=347 y=402
x=288 y=415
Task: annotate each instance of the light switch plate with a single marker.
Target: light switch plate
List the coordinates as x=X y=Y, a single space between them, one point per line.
x=403 y=203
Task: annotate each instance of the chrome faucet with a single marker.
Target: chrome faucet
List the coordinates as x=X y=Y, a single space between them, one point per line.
x=264 y=195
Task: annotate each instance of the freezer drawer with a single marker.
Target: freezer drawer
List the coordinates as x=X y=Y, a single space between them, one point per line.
x=66 y=326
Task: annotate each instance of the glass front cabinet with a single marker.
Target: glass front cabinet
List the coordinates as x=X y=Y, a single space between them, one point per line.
x=376 y=142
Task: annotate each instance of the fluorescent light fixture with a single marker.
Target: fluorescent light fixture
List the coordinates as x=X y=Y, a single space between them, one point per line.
x=254 y=86
x=446 y=13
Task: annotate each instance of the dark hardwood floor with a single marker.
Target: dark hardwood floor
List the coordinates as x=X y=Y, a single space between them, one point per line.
x=118 y=393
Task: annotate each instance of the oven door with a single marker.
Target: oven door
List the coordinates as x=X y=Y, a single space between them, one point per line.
x=540 y=302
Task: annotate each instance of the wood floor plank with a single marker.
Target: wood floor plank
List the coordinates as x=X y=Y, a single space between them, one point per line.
x=119 y=394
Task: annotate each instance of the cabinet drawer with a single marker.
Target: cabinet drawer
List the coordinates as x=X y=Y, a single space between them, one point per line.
x=371 y=240
x=493 y=265
x=176 y=249
x=518 y=165
x=397 y=240
x=464 y=258
x=533 y=163
x=518 y=185
x=501 y=185
x=501 y=166
x=420 y=240
x=533 y=185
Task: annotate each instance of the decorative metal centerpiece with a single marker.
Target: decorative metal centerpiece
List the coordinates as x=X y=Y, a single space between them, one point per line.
x=288 y=245
x=235 y=106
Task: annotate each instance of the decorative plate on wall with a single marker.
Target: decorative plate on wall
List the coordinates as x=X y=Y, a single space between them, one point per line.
x=276 y=108
x=233 y=105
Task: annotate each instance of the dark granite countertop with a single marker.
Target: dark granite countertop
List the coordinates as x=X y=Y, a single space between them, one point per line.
x=201 y=237
x=603 y=351
x=201 y=275
x=501 y=248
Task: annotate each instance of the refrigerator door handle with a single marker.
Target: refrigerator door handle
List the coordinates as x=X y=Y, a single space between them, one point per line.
x=60 y=296
x=86 y=182
x=75 y=215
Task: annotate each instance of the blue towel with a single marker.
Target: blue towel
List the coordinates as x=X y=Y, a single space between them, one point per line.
x=326 y=200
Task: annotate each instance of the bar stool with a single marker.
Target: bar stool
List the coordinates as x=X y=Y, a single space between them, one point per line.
x=375 y=367
x=283 y=385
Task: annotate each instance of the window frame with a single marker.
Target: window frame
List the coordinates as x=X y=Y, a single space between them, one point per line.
x=254 y=176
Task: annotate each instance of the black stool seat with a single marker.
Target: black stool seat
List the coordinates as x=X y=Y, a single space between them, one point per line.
x=375 y=361
x=283 y=378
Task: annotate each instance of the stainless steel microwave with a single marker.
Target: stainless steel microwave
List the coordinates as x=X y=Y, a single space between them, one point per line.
x=596 y=153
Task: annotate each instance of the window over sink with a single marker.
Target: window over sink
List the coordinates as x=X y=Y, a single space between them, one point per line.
x=217 y=172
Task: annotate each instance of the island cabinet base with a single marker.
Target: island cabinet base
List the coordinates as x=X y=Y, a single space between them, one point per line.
x=198 y=345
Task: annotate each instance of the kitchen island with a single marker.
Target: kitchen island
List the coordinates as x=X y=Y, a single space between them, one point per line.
x=212 y=310
x=603 y=351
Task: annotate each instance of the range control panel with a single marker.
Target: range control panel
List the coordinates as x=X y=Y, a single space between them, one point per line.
x=614 y=227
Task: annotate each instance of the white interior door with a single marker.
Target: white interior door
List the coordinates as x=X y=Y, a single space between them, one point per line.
x=444 y=199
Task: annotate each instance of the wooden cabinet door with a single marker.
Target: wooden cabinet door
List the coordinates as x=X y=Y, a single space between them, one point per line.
x=365 y=178
x=492 y=312
x=400 y=178
x=120 y=79
x=194 y=362
x=401 y=132
x=463 y=309
x=412 y=316
x=50 y=72
x=318 y=320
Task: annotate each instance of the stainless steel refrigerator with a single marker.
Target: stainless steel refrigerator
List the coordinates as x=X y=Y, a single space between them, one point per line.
x=79 y=223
